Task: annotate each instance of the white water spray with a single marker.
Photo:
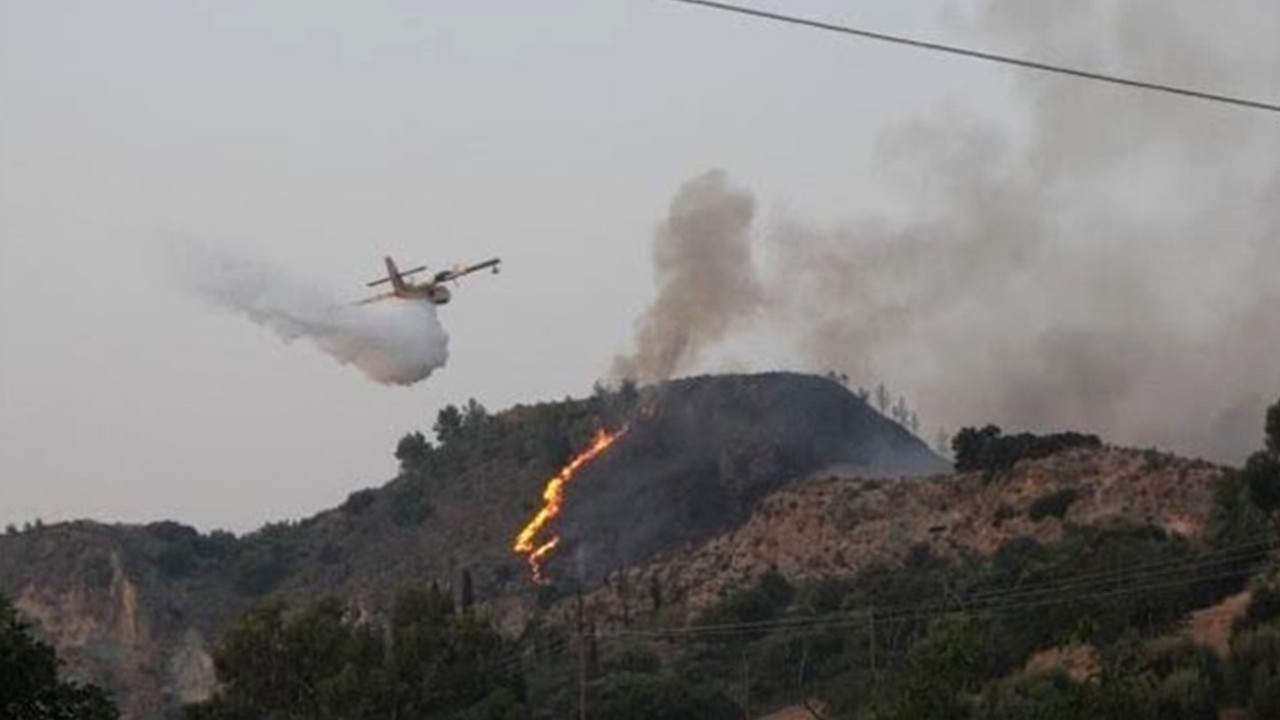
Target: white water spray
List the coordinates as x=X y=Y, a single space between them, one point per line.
x=395 y=342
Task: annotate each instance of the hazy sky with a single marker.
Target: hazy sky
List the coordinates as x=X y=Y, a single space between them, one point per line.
x=321 y=135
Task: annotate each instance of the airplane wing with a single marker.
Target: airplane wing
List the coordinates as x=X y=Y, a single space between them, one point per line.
x=481 y=266
x=404 y=274
x=460 y=271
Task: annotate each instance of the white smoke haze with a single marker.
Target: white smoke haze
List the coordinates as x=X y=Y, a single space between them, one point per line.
x=1112 y=267
x=394 y=342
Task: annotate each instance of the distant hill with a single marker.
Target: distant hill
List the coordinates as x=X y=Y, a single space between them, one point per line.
x=138 y=607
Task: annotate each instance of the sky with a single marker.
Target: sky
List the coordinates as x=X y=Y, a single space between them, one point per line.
x=320 y=136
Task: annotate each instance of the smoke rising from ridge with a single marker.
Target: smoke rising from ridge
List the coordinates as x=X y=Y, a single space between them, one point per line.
x=1114 y=268
x=394 y=342
x=702 y=259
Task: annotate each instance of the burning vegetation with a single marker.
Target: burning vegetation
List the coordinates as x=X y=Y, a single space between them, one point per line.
x=553 y=500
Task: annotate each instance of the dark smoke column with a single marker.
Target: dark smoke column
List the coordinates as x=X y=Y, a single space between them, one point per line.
x=706 y=279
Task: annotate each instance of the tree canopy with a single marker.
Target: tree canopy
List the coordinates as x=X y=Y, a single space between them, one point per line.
x=321 y=662
x=990 y=450
x=1262 y=469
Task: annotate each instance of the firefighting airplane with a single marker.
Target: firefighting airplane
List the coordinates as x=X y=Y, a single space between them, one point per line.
x=433 y=290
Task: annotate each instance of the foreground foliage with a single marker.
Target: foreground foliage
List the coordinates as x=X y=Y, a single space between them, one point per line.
x=321 y=662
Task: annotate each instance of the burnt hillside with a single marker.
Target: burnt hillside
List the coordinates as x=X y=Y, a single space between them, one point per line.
x=704 y=451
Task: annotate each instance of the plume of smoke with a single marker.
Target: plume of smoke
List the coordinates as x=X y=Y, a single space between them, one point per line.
x=706 y=278
x=1115 y=271
x=394 y=342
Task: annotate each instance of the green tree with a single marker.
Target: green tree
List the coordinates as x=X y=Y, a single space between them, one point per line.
x=442 y=662
x=882 y=398
x=655 y=593
x=448 y=424
x=30 y=688
x=763 y=601
x=628 y=394
x=1254 y=671
x=1273 y=428
x=970 y=447
x=412 y=451
x=315 y=664
x=468 y=592
x=627 y=696
x=951 y=661
x=1033 y=697
x=319 y=663
x=1262 y=474
x=1262 y=470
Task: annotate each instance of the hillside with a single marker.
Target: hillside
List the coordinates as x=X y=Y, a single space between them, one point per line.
x=840 y=525
x=772 y=521
x=138 y=607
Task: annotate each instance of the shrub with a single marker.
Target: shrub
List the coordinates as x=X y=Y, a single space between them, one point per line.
x=644 y=697
x=409 y=504
x=359 y=501
x=1054 y=504
x=765 y=600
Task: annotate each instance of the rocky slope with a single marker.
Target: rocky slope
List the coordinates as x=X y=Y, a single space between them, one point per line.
x=833 y=525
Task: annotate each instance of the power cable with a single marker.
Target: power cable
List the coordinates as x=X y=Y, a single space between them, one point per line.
x=983 y=55
x=916 y=613
x=1081 y=587
x=1084 y=582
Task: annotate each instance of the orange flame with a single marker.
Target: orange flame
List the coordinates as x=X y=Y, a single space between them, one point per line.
x=553 y=500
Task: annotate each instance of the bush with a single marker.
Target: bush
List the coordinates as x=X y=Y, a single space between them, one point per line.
x=1054 y=504
x=646 y=697
x=1032 y=697
x=409 y=504
x=764 y=601
x=1264 y=606
x=635 y=660
x=359 y=501
x=1254 y=671
x=170 y=531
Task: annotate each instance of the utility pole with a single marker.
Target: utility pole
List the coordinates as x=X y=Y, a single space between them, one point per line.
x=582 y=661
x=871 y=634
x=746 y=687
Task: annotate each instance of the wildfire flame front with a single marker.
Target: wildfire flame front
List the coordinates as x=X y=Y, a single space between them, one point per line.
x=553 y=500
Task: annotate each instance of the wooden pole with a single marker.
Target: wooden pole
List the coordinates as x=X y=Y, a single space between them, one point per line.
x=582 y=662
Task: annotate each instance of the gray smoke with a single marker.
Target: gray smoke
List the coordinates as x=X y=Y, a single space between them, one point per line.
x=1114 y=268
x=706 y=281
x=394 y=342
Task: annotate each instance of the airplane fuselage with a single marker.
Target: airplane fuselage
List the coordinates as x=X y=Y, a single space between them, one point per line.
x=434 y=292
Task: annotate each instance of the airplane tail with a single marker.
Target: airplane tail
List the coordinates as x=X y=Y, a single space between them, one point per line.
x=397 y=280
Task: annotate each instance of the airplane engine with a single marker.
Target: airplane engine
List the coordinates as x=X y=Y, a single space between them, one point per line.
x=439 y=295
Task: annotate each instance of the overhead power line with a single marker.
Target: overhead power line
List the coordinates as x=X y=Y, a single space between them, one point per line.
x=1218 y=564
x=982 y=55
